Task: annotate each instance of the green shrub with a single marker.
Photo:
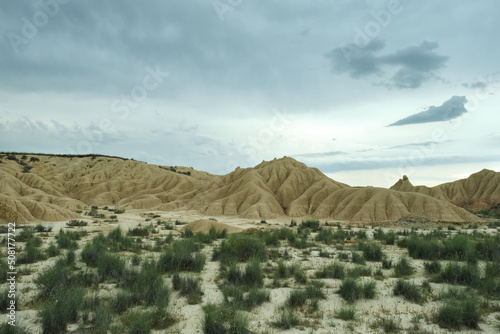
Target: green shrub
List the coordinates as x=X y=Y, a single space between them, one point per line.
x=298 y=274
x=286 y=320
x=5 y=300
x=256 y=297
x=240 y=247
x=66 y=240
x=188 y=287
x=25 y=234
x=351 y=289
x=298 y=297
x=93 y=250
x=455 y=313
x=76 y=222
x=334 y=270
x=403 y=267
x=70 y=258
x=358 y=258
x=346 y=313
x=432 y=267
x=5 y=328
x=32 y=253
x=359 y=271
x=361 y=235
x=117 y=242
x=270 y=238
x=60 y=309
x=369 y=289
x=386 y=263
x=122 y=301
x=492 y=270
x=344 y=256
x=223 y=319
x=40 y=228
x=371 y=250
x=282 y=271
x=147 y=285
x=455 y=273
x=422 y=248
x=326 y=236
x=136 y=260
x=389 y=238
x=138 y=232
x=52 y=250
x=56 y=278
x=388 y=324
x=139 y=322
x=252 y=276
x=191 y=289
x=182 y=255
x=110 y=266
x=409 y=291
x=102 y=320
x=312 y=224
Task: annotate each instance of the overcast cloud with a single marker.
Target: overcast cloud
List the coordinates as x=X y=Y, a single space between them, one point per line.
x=215 y=87
x=414 y=64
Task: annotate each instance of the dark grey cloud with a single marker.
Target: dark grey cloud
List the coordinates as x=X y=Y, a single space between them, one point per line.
x=358 y=62
x=449 y=110
x=102 y=47
x=415 y=64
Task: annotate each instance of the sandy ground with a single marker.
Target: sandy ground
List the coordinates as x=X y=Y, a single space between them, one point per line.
x=189 y=317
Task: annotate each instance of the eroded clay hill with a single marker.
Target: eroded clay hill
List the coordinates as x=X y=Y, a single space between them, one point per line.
x=481 y=190
x=51 y=188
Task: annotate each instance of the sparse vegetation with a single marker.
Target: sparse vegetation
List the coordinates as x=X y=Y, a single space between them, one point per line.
x=372 y=251
x=346 y=313
x=334 y=270
x=403 y=267
x=351 y=289
x=121 y=282
x=408 y=290
x=459 y=310
x=76 y=222
x=240 y=248
x=286 y=320
x=189 y=287
x=182 y=255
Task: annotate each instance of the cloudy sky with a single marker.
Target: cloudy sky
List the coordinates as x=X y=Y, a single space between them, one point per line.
x=365 y=90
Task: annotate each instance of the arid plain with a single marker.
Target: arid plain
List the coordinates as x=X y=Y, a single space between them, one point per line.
x=110 y=245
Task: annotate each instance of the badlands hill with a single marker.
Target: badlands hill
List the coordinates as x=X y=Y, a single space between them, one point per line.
x=50 y=188
x=479 y=191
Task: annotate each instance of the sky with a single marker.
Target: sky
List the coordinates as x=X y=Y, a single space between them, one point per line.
x=365 y=90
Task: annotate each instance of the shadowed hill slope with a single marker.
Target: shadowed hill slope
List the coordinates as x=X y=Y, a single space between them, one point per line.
x=51 y=188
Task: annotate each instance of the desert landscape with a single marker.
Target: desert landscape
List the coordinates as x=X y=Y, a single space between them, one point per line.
x=111 y=245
